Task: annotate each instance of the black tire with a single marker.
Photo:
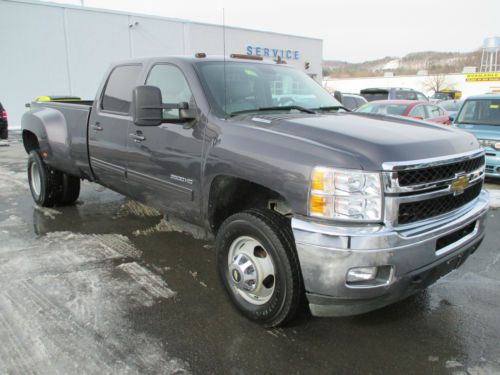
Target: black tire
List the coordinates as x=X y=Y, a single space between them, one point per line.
x=46 y=192
x=70 y=190
x=4 y=134
x=273 y=231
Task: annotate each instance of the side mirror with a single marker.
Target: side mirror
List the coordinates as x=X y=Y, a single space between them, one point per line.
x=452 y=118
x=147 y=104
x=185 y=114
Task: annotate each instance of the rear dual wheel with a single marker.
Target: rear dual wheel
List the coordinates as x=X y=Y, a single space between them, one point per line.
x=48 y=186
x=258 y=265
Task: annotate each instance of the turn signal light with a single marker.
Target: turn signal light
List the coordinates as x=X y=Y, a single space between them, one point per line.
x=318 y=204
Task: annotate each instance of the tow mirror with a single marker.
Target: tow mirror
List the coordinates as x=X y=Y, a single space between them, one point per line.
x=147 y=104
x=184 y=115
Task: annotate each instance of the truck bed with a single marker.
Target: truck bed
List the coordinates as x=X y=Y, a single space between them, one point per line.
x=67 y=123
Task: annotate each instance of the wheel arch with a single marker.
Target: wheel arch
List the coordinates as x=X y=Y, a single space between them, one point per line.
x=231 y=194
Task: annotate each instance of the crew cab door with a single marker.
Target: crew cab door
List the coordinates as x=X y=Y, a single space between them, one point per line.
x=108 y=128
x=165 y=161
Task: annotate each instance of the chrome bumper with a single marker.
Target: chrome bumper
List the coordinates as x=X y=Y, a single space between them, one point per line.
x=327 y=253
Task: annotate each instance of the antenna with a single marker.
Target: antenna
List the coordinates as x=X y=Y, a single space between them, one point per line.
x=224 y=57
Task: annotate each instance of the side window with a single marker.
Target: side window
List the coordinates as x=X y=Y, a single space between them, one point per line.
x=405 y=95
x=421 y=96
x=359 y=102
x=418 y=111
x=433 y=111
x=118 y=92
x=173 y=86
x=349 y=102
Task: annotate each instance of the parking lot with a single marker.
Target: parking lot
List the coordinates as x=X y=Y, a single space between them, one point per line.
x=107 y=286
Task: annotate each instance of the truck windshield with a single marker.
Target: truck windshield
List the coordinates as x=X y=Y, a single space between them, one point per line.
x=258 y=87
x=480 y=112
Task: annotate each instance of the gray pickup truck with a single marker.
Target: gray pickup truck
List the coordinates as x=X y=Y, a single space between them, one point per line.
x=304 y=198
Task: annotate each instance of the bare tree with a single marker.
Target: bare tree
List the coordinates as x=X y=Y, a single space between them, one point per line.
x=438 y=82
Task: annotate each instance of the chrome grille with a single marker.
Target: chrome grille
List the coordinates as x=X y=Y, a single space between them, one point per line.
x=421 y=190
x=437 y=173
x=420 y=210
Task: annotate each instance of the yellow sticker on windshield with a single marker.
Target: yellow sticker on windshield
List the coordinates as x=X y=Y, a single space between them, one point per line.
x=250 y=72
x=494 y=106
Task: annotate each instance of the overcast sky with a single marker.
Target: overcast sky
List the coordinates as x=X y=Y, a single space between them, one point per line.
x=352 y=30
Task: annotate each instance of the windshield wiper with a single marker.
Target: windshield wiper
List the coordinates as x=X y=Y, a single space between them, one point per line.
x=332 y=107
x=283 y=108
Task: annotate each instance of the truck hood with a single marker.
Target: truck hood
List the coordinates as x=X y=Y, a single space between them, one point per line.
x=370 y=139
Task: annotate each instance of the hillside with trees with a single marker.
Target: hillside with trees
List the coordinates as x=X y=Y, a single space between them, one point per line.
x=432 y=62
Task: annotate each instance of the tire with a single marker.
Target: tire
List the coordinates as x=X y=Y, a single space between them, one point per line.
x=45 y=183
x=278 y=289
x=70 y=190
x=4 y=133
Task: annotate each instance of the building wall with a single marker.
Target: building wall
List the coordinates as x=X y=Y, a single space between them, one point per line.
x=53 y=49
x=354 y=85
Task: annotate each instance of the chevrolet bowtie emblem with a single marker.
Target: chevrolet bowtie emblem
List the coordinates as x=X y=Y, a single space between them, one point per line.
x=459 y=184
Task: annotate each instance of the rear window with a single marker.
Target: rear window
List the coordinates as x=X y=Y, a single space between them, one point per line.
x=451 y=106
x=118 y=92
x=375 y=95
x=384 y=109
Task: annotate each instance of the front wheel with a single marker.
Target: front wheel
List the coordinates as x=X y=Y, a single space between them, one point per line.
x=258 y=265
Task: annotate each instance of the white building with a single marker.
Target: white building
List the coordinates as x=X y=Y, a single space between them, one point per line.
x=55 y=49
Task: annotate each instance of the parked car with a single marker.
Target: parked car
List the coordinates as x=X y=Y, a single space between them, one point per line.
x=480 y=115
x=451 y=106
x=352 y=101
x=409 y=108
x=354 y=211
x=395 y=93
x=4 y=123
x=441 y=95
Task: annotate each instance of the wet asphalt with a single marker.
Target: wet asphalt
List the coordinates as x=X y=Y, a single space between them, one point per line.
x=106 y=287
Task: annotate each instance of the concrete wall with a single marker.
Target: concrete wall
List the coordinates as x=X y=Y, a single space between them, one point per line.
x=354 y=85
x=54 y=49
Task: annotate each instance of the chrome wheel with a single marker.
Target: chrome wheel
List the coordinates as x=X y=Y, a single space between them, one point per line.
x=251 y=270
x=36 y=179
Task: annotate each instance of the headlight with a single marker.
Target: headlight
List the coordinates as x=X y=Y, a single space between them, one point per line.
x=489 y=143
x=345 y=194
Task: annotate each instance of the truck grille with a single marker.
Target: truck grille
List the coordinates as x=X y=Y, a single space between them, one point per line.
x=420 y=210
x=437 y=173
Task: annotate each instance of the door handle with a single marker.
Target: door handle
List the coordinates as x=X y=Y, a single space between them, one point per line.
x=97 y=126
x=137 y=138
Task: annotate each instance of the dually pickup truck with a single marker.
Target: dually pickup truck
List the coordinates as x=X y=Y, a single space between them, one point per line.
x=304 y=199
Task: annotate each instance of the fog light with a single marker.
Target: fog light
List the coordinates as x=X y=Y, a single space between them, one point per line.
x=361 y=274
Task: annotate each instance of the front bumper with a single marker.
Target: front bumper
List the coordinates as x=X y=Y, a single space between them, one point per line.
x=492 y=168
x=328 y=252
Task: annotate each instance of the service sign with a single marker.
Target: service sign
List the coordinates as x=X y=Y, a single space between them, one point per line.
x=283 y=53
x=482 y=77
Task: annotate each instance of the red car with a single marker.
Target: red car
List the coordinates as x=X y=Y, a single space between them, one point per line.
x=420 y=110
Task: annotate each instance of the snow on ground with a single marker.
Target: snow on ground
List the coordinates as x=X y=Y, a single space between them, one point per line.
x=494 y=197
x=66 y=299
